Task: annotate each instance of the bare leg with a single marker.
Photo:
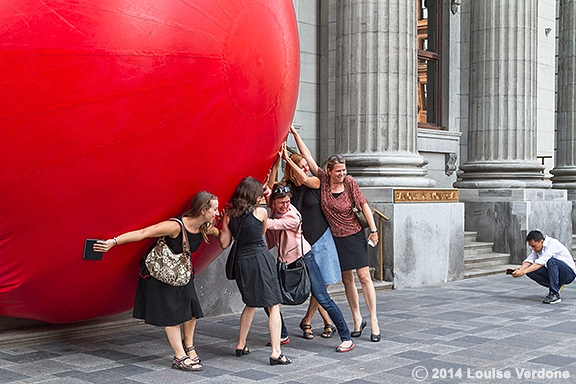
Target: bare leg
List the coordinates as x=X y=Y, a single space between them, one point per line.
x=369 y=297
x=352 y=297
x=188 y=328
x=274 y=326
x=175 y=340
x=312 y=307
x=325 y=316
x=245 y=323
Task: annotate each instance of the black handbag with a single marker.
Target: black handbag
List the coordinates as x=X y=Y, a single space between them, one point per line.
x=294 y=278
x=231 y=260
x=294 y=281
x=359 y=213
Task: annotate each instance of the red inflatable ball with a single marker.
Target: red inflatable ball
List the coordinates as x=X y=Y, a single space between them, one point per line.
x=113 y=114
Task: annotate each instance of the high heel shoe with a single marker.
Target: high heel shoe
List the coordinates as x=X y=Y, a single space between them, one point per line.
x=375 y=338
x=359 y=333
x=280 y=360
x=243 y=351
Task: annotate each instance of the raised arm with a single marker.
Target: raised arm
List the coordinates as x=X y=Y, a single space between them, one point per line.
x=225 y=234
x=301 y=177
x=304 y=151
x=271 y=179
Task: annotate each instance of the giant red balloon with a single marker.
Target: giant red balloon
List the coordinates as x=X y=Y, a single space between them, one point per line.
x=112 y=115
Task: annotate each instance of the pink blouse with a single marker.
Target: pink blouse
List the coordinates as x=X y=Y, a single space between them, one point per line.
x=338 y=210
x=285 y=232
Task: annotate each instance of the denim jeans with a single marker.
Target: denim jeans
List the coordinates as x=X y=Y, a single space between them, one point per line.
x=324 y=299
x=553 y=275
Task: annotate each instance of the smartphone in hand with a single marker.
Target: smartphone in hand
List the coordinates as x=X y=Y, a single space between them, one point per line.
x=89 y=253
x=509 y=271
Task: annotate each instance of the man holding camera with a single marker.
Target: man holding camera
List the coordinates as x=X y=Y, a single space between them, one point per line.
x=550 y=264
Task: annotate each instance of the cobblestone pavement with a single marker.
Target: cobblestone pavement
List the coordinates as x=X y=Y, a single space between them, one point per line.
x=491 y=329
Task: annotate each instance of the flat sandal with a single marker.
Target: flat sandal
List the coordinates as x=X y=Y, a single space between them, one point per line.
x=195 y=359
x=178 y=363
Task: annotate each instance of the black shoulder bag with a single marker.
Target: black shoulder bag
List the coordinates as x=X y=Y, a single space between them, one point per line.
x=231 y=260
x=294 y=278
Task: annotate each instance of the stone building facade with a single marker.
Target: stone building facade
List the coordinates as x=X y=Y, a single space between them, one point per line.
x=446 y=95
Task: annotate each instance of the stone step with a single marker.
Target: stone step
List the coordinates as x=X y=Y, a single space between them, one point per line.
x=477 y=248
x=470 y=237
x=486 y=271
x=485 y=260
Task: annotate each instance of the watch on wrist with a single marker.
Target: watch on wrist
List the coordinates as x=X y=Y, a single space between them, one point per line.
x=373 y=231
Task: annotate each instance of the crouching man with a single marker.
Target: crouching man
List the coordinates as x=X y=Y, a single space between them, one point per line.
x=550 y=264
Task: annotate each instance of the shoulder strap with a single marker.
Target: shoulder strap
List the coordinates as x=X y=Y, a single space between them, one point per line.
x=185 y=242
x=347 y=187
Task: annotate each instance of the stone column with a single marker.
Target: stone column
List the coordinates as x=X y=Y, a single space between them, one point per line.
x=502 y=134
x=376 y=85
x=565 y=169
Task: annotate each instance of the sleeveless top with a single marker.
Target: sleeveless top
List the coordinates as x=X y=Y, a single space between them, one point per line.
x=307 y=201
x=251 y=233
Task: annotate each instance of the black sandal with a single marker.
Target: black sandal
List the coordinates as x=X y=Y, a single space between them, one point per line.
x=195 y=359
x=178 y=363
x=280 y=360
x=329 y=329
x=307 y=331
x=243 y=351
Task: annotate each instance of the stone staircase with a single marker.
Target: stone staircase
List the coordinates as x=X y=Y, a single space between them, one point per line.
x=480 y=260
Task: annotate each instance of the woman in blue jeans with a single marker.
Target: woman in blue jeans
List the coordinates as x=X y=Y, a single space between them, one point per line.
x=284 y=231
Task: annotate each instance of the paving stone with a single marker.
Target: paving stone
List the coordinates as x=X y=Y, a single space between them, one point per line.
x=488 y=325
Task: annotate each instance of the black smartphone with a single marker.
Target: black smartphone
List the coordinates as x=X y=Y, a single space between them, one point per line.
x=509 y=271
x=89 y=253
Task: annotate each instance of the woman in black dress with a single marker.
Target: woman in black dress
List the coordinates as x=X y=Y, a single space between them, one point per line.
x=255 y=267
x=166 y=305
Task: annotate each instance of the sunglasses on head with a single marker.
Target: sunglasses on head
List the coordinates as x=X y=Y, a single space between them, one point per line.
x=281 y=190
x=336 y=158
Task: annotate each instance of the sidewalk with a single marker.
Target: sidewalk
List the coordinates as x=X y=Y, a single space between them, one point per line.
x=485 y=330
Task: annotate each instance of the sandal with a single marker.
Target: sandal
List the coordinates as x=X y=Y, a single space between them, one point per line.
x=178 y=363
x=195 y=359
x=329 y=329
x=243 y=351
x=307 y=331
x=280 y=360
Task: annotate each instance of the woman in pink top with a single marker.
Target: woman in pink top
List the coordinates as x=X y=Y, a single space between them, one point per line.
x=284 y=231
x=349 y=236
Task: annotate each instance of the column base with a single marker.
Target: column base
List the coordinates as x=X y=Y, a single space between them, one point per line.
x=422 y=244
x=393 y=169
x=511 y=174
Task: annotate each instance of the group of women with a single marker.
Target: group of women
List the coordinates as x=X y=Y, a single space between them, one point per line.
x=309 y=215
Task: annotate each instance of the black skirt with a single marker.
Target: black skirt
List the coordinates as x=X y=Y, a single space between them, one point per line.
x=256 y=277
x=165 y=305
x=352 y=251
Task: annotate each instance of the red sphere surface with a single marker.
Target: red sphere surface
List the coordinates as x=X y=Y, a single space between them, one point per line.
x=113 y=114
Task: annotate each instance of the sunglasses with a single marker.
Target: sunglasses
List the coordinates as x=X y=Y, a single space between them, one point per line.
x=281 y=190
x=336 y=159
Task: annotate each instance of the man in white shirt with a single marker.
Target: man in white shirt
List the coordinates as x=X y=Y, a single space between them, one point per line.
x=550 y=264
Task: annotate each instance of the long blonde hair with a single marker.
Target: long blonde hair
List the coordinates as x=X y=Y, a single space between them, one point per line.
x=289 y=172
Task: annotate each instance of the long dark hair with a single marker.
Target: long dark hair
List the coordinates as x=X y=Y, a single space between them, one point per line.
x=202 y=200
x=247 y=194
